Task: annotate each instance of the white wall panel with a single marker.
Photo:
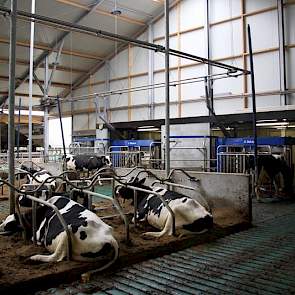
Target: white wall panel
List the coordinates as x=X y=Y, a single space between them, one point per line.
x=228 y=106
x=265 y=102
x=160 y=111
x=264 y=30
x=159 y=26
x=191 y=14
x=290 y=24
x=193 y=43
x=194 y=109
x=266 y=72
x=80 y=122
x=139 y=114
x=119 y=65
x=254 y=5
x=140 y=58
x=139 y=97
x=194 y=90
x=224 y=9
x=226 y=39
x=290 y=68
x=119 y=116
x=119 y=99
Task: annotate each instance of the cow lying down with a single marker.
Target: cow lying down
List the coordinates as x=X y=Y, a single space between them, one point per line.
x=91 y=237
x=190 y=216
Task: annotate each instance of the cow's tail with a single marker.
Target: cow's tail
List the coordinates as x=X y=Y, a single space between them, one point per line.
x=86 y=276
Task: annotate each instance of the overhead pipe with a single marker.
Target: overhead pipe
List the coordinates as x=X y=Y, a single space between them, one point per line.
x=11 y=105
x=115 y=37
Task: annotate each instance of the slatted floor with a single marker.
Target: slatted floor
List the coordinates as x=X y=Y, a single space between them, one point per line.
x=258 y=261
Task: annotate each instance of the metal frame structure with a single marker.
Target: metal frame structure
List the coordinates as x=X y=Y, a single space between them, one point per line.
x=68 y=27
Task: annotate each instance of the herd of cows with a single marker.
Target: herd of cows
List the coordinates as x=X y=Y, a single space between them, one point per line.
x=91 y=238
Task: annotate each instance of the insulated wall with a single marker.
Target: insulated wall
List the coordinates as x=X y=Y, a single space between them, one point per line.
x=225 y=40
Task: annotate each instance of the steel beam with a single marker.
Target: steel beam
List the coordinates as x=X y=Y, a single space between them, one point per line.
x=282 y=52
x=59 y=39
x=167 y=90
x=11 y=105
x=31 y=73
x=46 y=129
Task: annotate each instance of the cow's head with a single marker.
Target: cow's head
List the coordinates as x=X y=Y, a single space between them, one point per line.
x=10 y=224
x=70 y=162
x=107 y=161
x=127 y=193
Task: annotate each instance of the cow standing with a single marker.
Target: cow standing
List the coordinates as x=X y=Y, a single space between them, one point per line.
x=91 y=237
x=190 y=216
x=275 y=169
x=87 y=162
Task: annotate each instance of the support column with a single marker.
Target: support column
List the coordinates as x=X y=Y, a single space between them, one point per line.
x=167 y=91
x=282 y=52
x=107 y=88
x=11 y=105
x=46 y=122
x=31 y=82
x=245 y=62
x=151 y=81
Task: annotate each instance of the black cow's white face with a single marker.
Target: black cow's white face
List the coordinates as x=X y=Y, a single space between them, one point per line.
x=107 y=160
x=10 y=224
x=70 y=162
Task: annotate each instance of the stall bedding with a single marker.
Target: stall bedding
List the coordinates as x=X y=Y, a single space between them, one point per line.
x=18 y=271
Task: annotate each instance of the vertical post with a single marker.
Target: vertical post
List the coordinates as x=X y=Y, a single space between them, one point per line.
x=151 y=91
x=46 y=89
x=18 y=126
x=31 y=82
x=167 y=92
x=282 y=53
x=61 y=127
x=11 y=130
x=253 y=104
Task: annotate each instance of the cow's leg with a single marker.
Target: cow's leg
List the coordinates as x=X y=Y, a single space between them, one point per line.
x=261 y=179
x=59 y=253
x=166 y=230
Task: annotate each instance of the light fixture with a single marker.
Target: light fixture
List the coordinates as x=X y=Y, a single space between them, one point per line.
x=148 y=129
x=275 y=124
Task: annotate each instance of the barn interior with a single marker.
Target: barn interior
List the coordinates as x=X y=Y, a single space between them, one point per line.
x=193 y=98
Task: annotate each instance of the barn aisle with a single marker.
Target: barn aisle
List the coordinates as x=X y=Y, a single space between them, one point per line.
x=260 y=260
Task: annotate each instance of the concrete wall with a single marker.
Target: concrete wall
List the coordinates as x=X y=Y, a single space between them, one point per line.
x=228 y=20
x=228 y=195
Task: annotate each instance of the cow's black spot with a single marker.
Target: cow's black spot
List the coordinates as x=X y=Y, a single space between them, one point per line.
x=200 y=224
x=107 y=247
x=72 y=218
x=84 y=223
x=74 y=229
x=83 y=235
x=184 y=200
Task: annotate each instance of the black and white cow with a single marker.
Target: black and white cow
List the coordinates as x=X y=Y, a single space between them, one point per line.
x=87 y=162
x=91 y=237
x=190 y=216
